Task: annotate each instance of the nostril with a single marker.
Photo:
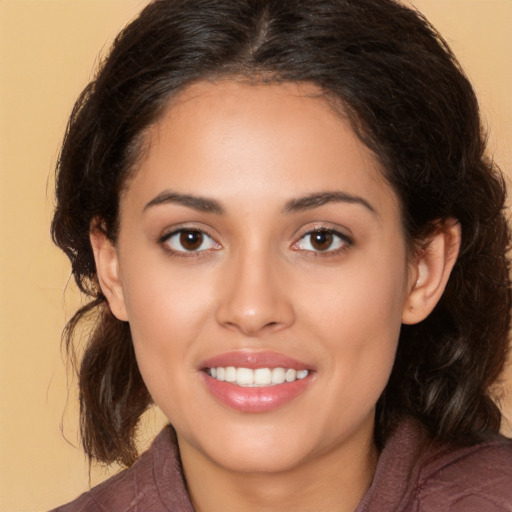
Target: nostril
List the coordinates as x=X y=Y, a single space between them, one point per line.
x=254 y=327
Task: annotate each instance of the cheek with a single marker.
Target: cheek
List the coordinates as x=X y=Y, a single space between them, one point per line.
x=167 y=312
x=364 y=296
x=162 y=298
x=361 y=358
x=165 y=320
x=357 y=312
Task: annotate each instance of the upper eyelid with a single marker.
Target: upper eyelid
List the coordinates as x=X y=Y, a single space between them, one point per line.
x=326 y=226
x=329 y=230
x=165 y=234
x=348 y=239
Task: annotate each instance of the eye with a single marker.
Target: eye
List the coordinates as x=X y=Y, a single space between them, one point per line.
x=322 y=240
x=189 y=240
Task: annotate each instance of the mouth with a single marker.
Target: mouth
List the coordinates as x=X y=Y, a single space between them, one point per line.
x=256 y=382
x=257 y=377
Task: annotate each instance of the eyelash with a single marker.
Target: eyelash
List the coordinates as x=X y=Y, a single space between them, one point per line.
x=344 y=241
x=198 y=252
x=341 y=239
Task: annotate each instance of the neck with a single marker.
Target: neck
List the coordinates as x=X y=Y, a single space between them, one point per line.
x=332 y=481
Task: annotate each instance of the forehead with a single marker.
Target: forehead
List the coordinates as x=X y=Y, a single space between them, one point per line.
x=229 y=138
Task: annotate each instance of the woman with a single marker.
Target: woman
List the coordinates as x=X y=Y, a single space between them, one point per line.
x=295 y=246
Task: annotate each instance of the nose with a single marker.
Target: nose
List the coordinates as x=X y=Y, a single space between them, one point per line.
x=254 y=297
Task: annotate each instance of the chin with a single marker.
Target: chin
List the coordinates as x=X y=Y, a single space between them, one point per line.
x=271 y=448
x=252 y=458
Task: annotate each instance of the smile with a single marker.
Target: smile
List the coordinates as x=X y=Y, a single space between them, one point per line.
x=257 y=377
x=256 y=381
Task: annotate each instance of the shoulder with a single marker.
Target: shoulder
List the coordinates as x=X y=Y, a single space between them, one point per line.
x=466 y=479
x=153 y=484
x=416 y=474
x=120 y=492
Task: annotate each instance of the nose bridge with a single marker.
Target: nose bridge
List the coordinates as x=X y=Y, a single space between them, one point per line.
x=254 y=298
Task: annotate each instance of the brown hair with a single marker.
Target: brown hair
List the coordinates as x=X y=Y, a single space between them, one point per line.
x=408 y=100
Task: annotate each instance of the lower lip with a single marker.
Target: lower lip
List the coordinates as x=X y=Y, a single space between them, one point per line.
x=257 y=399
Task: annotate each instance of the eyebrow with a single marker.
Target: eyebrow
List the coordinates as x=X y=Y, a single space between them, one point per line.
x=315 y=200
x=309 y=202
x=202 y=204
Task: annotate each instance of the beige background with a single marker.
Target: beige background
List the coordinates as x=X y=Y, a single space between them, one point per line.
x=47 y=51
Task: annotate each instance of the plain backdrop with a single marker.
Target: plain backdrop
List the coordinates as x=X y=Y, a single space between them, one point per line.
x=48 y=50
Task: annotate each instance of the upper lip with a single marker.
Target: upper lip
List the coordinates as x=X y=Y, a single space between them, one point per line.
x=253 y=360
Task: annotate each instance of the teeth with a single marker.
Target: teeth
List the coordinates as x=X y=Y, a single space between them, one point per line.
x=302 y=374
x=260 y=377
x=290 y=375
x=221 y=374
x=230 y=374
x=278 y=375
x=244 y=377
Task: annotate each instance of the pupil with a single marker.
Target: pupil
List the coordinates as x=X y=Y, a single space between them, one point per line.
x=191 y=240
x=321 y=240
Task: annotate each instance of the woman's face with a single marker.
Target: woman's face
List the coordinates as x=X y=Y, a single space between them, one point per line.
x=258 y=233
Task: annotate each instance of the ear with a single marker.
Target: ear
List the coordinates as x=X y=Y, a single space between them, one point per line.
x=431 y=270
x=107 y=268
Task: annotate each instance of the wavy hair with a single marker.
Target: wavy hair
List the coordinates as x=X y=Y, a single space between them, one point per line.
x=407 y=99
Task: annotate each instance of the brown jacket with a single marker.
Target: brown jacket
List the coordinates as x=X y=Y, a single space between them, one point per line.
x=413 y=475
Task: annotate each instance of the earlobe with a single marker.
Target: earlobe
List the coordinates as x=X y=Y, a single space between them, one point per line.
x=107 y=268
x=431 y=271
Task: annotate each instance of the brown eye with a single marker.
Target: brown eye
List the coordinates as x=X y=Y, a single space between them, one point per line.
x=191 y=240
x=321 y=240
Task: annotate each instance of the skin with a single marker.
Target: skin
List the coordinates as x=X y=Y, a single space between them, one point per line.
x=256 y=282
